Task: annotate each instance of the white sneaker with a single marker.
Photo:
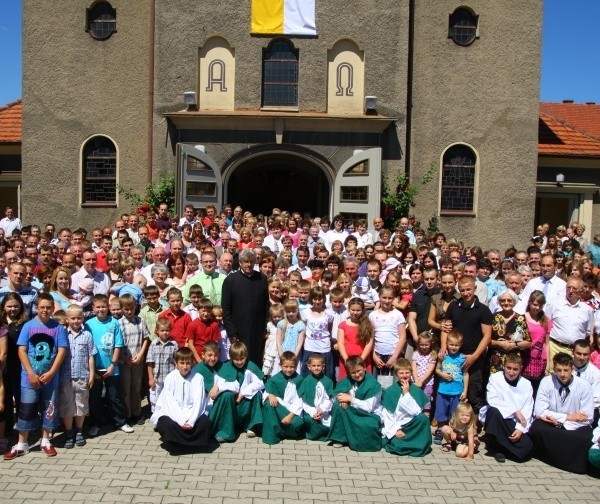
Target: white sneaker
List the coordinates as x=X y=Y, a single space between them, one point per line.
x=250 y=434
x=126 y=428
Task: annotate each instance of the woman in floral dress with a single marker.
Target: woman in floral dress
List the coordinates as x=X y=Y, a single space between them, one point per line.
x=509 y=331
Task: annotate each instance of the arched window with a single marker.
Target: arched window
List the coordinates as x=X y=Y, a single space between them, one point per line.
x=459 y=166
x=463 y=26
x=99 y=165
x=101 y=20
x=280 y=75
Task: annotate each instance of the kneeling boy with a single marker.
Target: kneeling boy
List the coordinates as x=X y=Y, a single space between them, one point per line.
x=405 y=427
x=282 y=408
x=248 y=415
x=316 y=392
x=180 y=413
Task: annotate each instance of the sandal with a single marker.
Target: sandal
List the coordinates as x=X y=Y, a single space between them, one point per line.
x=446 y=447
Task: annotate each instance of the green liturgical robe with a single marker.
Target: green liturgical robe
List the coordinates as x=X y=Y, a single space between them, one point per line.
x=358 y=424
x=316 y=393
x=248 y=412
x=404 y=412
x=286 y=391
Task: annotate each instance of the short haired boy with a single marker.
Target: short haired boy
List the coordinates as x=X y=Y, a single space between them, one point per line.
x=282 y=407
x=179 y=319
x=221 y=406
x=316 y=392
x=248 y=410
x=564 y=409
x=453 y=382
x=202 y=330
x=152 y=309
x=406 y=428
x=180 y=414
x=76 y=377
x=108 y=339
x=354 y=421
x=43 y=343
x=159 y=361
x=195 y=297
x=136 y=339
x=509 y=412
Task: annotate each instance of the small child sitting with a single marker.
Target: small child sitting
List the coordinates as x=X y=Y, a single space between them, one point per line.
x=461 y=433
x=159 y=362
x=180 y=414
x=248 y=410
x=282 y=408
x=316 y=392
x=454 y=383
x=405 y=427
x=354 y=421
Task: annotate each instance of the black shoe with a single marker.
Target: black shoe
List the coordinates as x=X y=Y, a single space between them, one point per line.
x=499 y=457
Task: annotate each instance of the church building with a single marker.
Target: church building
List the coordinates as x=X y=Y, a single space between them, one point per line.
x=304 y=105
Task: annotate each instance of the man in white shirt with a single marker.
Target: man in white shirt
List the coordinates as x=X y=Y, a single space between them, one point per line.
x=302 y=255
x=10 y=222
x=552 y=286
x=88 y=270
x=409 y=234
x=572 y=320
x=273 y=240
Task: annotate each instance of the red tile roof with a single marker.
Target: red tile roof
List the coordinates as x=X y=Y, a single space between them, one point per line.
x=11 y=122
x=582 y=117
x=569 y=129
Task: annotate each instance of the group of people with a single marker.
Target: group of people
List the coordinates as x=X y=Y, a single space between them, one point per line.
x=287 y=326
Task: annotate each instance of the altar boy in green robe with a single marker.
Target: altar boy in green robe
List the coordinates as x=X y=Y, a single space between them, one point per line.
x=282 y=407
x=221 y=394
x=406 y=428
x=248 y=401
x=354 y=420
x=316 y=392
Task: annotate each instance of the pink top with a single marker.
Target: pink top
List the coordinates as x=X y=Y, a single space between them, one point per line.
x=595 y=358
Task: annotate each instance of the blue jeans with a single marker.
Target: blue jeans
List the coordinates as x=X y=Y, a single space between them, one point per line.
x=384 y=371
x=99 y=415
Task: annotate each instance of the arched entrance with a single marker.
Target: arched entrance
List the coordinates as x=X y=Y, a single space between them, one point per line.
x=283 y=179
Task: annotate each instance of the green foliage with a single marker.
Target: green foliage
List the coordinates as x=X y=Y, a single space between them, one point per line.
x=161 y=191
x=398 y=200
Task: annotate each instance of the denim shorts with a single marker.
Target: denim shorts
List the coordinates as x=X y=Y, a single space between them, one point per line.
x=39 y=408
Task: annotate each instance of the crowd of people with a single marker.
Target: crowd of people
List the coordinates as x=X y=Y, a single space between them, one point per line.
x=287 y=326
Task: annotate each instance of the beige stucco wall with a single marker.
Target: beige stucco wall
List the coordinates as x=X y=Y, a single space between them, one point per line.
x=75 y=87
x=485 y=95
x=384 y=44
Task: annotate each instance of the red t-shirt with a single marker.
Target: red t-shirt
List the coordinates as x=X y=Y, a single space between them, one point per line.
x=179 y=325
x=202 y=331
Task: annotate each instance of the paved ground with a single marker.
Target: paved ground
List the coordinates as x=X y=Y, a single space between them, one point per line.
x=117 y=467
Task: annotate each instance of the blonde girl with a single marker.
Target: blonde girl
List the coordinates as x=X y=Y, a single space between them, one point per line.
x=270 y=356
x=290 y=332
x=461 y=433
x=274 y=287
x=355 y=337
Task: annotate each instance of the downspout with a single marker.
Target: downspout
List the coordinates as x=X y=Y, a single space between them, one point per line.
x=150 y=91
x=409 y=85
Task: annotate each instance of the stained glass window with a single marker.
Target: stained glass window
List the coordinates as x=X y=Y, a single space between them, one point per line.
x=99 y=171
x=458 y=179
x=280 y=75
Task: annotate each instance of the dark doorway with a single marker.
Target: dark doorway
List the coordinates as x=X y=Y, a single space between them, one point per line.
x=278 y=180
